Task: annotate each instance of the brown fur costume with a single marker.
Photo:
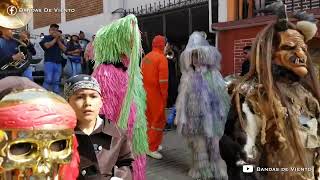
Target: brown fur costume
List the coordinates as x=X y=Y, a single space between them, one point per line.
x=284 y=108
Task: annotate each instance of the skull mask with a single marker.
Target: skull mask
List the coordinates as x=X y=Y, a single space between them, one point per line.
x=36 y=134
x=291 y=52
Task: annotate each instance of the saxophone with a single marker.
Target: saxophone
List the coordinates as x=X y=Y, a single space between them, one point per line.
x=22 y=48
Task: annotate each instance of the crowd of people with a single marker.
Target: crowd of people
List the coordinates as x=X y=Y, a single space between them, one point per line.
x=69 y=55
x=108 y=122
x=65 y=54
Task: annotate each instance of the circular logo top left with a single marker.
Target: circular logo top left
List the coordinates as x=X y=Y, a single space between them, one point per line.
x=14 y=14
x=12 y=10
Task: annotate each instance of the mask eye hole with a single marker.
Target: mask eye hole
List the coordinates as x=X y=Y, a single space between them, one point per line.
x=23 y=148
x=59 y=145
x=287 y=47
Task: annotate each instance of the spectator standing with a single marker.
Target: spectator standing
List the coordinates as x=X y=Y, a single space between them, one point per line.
x=25 y=38
x=83 y=43
x=82 y=40
x=89 y=56
x=173 y=81
x=74 y=54
x=245 y=67
x=172 y=55
x=53 y=47
x=155 y=81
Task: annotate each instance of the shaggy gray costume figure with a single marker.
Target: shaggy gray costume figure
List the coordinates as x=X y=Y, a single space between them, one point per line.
x=202 y=106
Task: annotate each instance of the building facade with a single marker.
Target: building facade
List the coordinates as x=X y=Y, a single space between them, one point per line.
x=89 y=16
x=75 y=15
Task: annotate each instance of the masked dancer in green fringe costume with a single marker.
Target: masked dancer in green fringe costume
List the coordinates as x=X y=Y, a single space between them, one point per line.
x=117 y=56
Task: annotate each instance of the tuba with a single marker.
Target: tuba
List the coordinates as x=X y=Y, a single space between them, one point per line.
x=11 y=18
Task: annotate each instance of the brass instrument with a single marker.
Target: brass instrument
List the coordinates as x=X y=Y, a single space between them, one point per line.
x=170 y=54
x=15 y=14
x=22 y=48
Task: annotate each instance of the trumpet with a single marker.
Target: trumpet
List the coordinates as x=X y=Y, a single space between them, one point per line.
x=170 y=54
x=18 y=64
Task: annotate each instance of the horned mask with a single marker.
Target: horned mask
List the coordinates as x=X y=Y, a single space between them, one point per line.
x=291 y=49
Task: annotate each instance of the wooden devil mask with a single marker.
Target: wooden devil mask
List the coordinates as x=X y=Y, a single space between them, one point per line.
x=290 y=51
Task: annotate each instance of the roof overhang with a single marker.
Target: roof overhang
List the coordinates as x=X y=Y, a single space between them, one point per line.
x=252 y=22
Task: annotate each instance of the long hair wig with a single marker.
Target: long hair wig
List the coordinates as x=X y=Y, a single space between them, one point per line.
x=289 y=147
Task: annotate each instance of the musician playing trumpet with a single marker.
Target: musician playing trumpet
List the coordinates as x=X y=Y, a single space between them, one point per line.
x=9 y=52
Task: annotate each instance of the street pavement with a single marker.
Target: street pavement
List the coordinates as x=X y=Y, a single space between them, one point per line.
x=176 y=160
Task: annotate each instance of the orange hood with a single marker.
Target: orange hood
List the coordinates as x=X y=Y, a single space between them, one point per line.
x=159 y=42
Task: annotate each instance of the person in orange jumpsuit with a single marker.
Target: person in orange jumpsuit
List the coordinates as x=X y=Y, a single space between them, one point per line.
x=155 y=80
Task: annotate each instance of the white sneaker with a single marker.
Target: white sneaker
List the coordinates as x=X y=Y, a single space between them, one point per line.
x=160 y=148
x=154 y=154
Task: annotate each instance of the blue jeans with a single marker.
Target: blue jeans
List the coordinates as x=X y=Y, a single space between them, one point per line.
x=28 y=73
x=52 y=76
x=76 y=68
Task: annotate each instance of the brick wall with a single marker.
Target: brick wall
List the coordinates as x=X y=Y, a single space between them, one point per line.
x=83 y=8
x=42 y=19
x=238 y=52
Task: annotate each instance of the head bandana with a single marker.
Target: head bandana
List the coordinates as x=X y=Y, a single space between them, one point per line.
x=80 y=82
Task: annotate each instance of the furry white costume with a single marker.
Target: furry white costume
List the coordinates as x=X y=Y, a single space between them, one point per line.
x=202 y=106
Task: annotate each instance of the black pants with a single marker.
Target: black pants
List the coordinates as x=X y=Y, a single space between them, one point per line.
x=90 y=65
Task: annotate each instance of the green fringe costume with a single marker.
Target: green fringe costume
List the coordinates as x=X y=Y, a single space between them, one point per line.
x=122 y=37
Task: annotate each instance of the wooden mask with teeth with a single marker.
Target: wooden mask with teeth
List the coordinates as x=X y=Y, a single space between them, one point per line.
x=291 y=49
x=291 y=52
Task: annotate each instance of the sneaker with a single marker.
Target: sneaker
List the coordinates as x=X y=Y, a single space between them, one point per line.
x=160 y=148
x=154 y=154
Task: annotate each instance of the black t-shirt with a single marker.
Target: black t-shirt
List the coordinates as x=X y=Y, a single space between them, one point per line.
x=245 y=67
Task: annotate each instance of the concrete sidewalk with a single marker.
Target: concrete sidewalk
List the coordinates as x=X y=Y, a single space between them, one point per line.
x=176 y=160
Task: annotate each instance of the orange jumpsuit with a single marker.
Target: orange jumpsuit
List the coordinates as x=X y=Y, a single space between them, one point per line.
x=155 y=80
